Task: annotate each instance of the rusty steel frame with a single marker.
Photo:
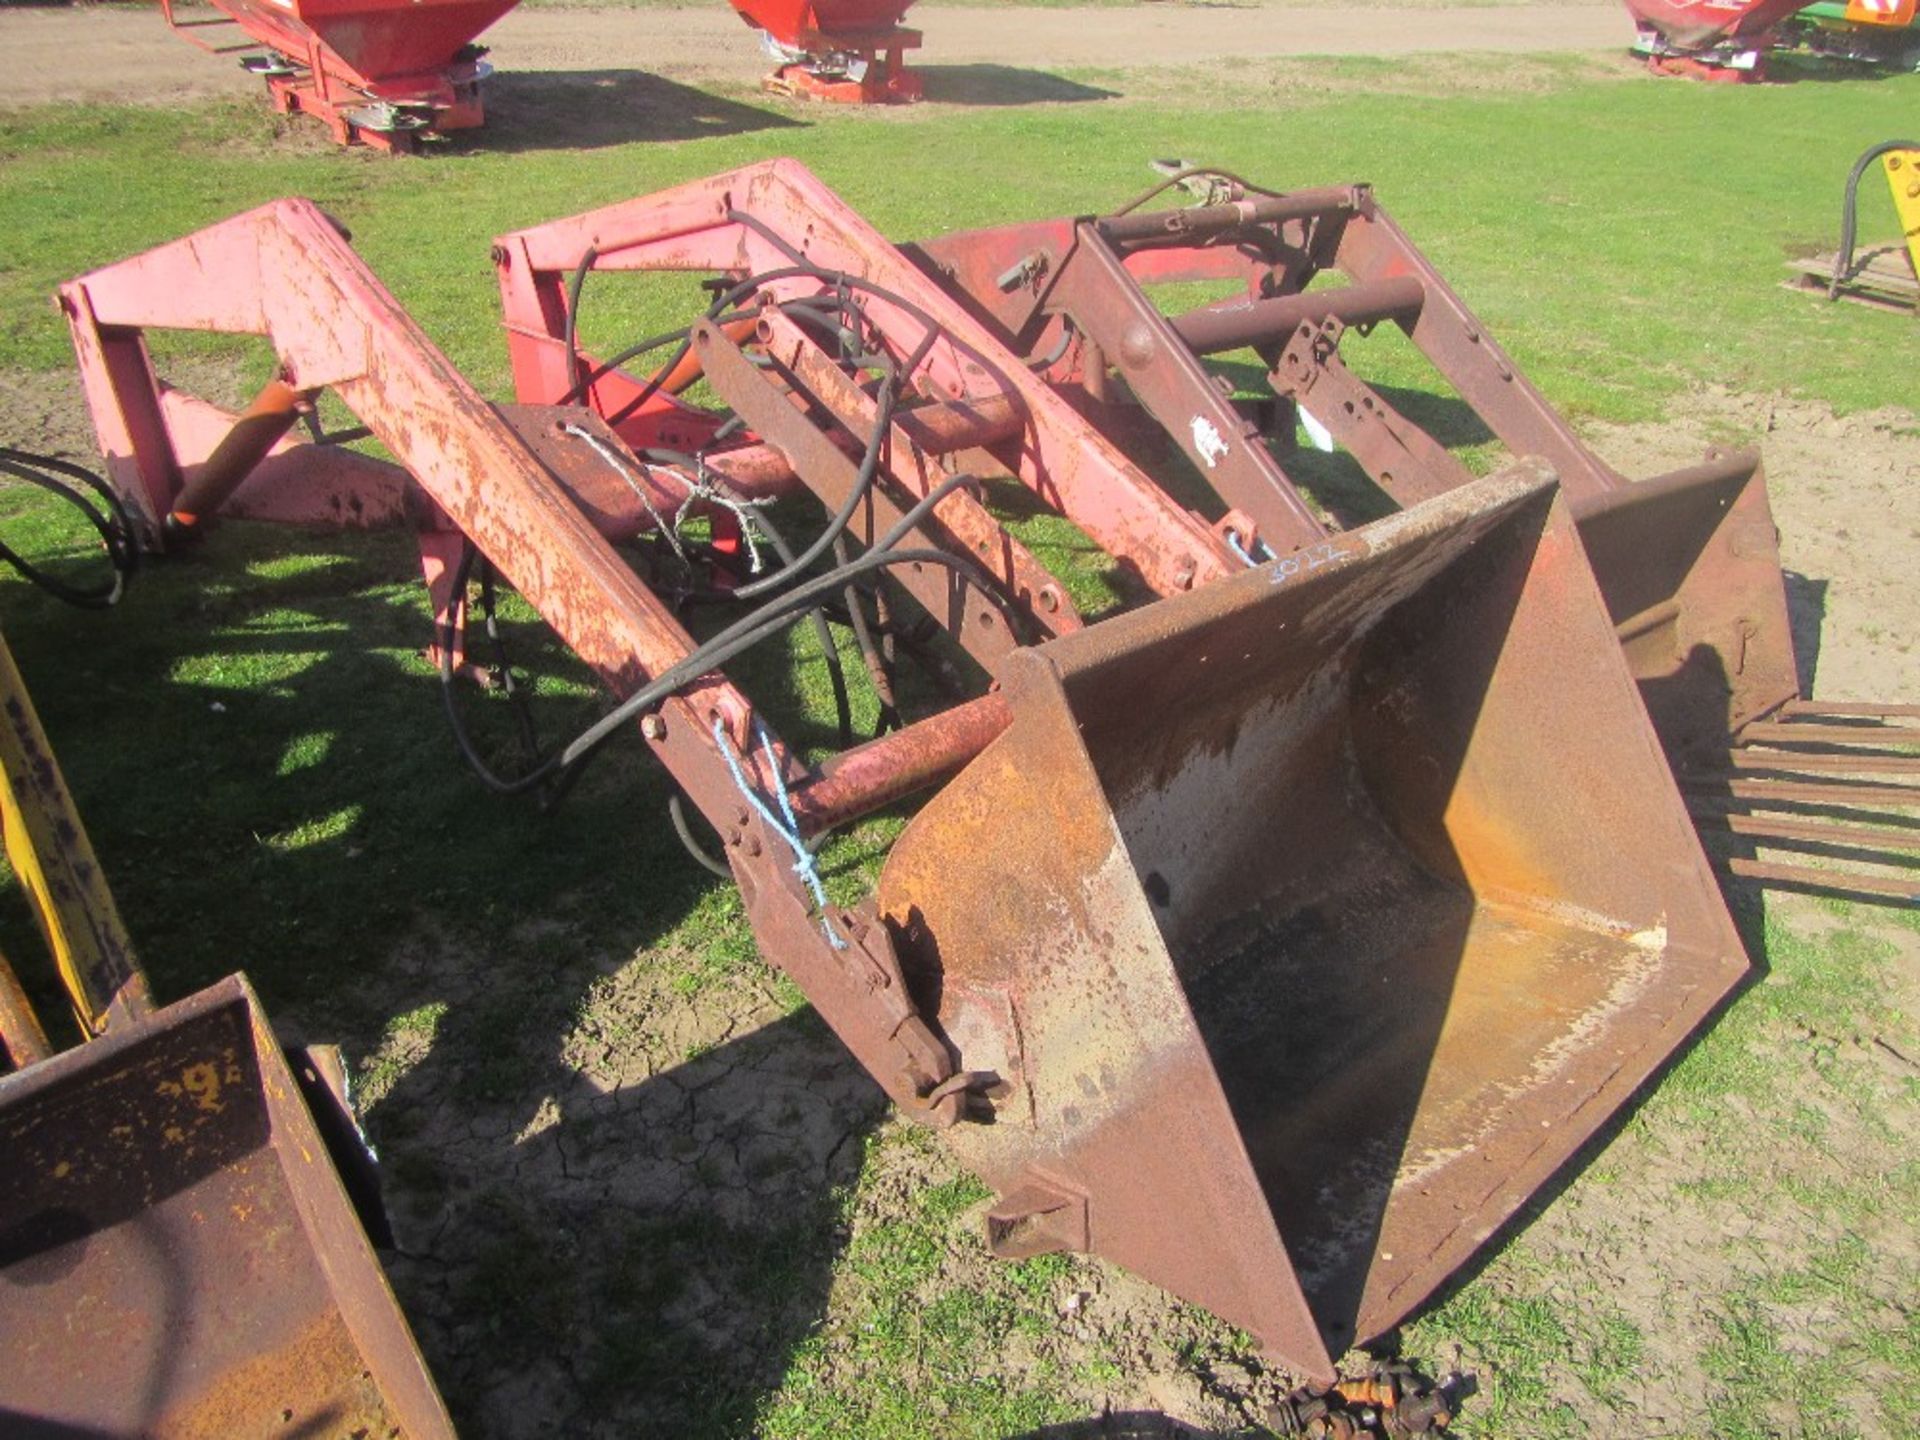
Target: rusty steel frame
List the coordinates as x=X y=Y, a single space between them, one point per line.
x=333 y=326
x=1689 y=561
x=1128 y=1112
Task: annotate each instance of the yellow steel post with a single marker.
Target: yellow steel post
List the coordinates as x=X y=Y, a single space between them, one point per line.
x=1903 y=178
x=50 y=853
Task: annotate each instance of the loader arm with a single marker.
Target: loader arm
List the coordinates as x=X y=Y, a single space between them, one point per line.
x=287 y=273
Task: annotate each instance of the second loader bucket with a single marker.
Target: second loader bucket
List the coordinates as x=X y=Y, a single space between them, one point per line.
x=178 y=1259
x=1689 y=564
x=1309 y=922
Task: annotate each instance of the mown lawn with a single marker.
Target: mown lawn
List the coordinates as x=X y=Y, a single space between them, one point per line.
x=258 y=748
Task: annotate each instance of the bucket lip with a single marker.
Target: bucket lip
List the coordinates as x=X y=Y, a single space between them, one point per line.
x=222 y=994
x=1485 y=502
x=1735 y=468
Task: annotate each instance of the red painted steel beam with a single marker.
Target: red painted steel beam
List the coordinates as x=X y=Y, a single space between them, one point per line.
x=286 y=272
x=692 y=228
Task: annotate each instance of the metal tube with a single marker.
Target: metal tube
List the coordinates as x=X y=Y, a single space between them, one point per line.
x=1200 y=221
x=1850 y=762
x=1851 y=709
x=940 y=428
x=1818 y=831
x=261 y=426
x=1779 y=791
x=21 y=1034
x=870 y=777
x=1794 y=731
x=946 y=426
x=1232 y=324
x=1899 y=889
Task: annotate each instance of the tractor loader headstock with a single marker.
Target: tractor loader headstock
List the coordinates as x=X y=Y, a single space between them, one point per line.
x=1688 y=562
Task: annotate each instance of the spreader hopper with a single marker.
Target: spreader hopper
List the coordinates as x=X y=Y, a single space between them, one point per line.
x=1310 y=921
x=837 y=50
x=378 y=72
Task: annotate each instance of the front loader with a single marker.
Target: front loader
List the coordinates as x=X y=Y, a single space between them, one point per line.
x=1274 y=930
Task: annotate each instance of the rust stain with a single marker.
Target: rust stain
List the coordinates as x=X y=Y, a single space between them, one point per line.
x=315 y=1384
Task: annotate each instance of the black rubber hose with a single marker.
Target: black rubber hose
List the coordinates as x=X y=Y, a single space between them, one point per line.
x=836 y=673
x=750 y=631
x=829 y=652
x=574 y=287
x=112 y=524
x=677 y=812
x=737 y=638
x=878 y=671
x=835 y=278
x=462 y=574
x=1850 y=212
x=863 y=482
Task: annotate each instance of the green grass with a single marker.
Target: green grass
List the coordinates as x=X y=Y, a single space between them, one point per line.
x=256 y=742
x=1622 y=244
x=1812 y=1250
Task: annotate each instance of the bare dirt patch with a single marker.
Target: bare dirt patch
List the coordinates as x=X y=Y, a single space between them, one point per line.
x=45 y=411
x=127 y=56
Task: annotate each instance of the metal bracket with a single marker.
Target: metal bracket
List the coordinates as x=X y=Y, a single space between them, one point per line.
x=1400 y=457
x=1038 y=1217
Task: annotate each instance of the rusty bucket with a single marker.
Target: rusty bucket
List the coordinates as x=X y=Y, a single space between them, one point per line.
x=1306 y=924
x=177 y=1257
x=1689 y=564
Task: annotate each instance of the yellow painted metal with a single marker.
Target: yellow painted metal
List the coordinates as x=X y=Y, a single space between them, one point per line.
x=22 y=1039
x=1903 y=178
x=54 y=861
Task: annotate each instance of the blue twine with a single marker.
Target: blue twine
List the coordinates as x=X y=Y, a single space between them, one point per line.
x=1233 y=544
x=805 y=864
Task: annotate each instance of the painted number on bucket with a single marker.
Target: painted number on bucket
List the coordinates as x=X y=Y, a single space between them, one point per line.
x=1314 y=557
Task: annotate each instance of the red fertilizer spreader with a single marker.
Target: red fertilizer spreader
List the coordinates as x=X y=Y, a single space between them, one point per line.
x=378 y=72
x=840 y=50
x=1708 y=39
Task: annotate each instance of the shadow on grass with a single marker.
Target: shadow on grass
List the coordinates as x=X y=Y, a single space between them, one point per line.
x=616 y=1179
x=988 y=86
x=649 y=1256
x=1791 y=68
x=591 y=109
x=1132 y=1425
